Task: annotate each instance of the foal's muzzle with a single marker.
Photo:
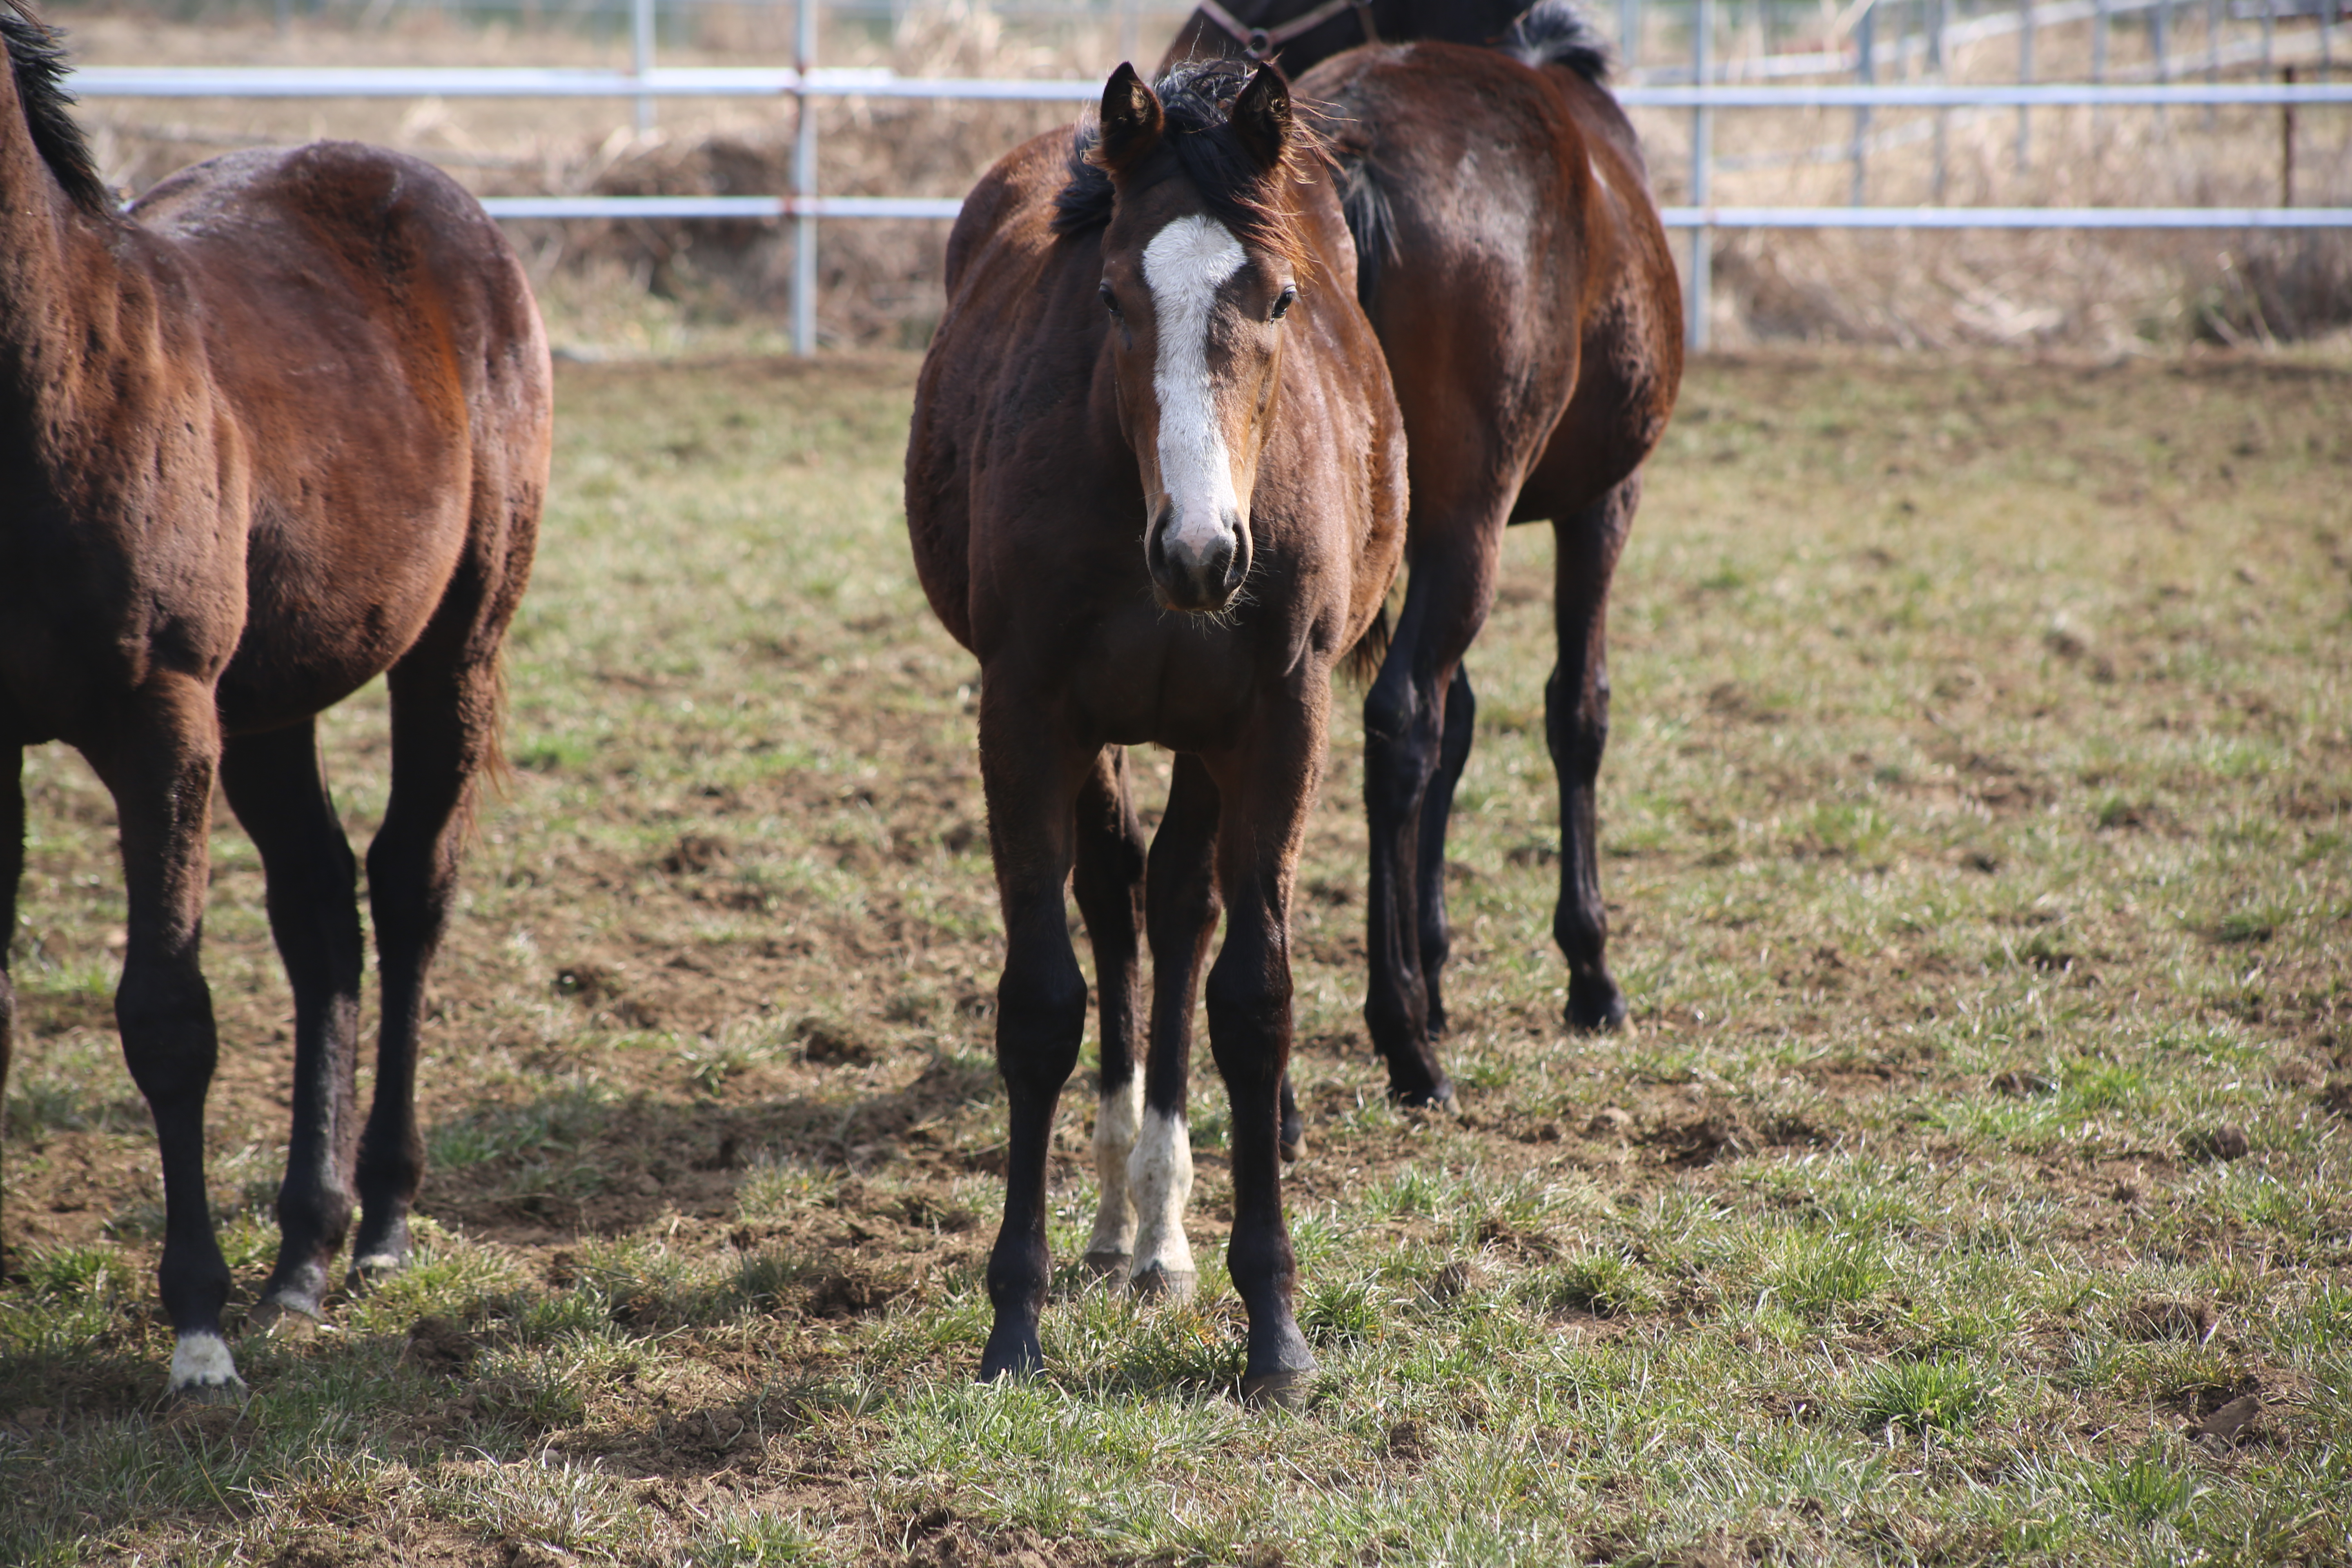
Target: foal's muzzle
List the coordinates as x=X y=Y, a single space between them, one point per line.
x=1198 y=570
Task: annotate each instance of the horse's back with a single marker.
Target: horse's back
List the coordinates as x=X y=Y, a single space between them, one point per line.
x=376 y=340
x=1509 y=199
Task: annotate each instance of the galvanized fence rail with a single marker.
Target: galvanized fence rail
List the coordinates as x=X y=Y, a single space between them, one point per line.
x=1703 y=95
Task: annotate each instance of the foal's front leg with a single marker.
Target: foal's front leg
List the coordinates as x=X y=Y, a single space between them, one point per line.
x=1032 y=777
x=1267 y=791
x=160 y=763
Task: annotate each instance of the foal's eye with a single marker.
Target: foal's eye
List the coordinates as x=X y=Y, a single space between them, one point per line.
x=1110 y=299
x=1283 y=303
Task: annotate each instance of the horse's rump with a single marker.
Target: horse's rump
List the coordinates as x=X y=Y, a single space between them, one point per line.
x=375 y=342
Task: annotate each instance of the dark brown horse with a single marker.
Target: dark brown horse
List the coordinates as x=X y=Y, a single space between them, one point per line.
x=1155 y=483
x=280 y=428
x=1512 y=261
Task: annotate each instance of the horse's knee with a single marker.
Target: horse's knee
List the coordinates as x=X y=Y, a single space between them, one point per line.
x=165 y=1016
x=1400 y=745
x=1040 y=1019
x=1576 y=729
x=1247 y=1014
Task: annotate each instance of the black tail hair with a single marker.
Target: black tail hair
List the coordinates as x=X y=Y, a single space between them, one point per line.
x=1363 y=661
x=1555 y=33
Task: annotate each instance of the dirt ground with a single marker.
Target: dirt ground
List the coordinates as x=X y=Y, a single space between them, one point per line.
x=1977 y=813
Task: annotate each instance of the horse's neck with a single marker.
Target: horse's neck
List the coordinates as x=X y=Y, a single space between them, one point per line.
x=54 y=258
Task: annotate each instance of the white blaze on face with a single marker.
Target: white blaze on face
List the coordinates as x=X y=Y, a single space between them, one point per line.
x=1185 y=265
x=1160 y=1180
x=1116 y=1121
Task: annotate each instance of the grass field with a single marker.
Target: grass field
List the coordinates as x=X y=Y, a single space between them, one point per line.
x=1973 y=1187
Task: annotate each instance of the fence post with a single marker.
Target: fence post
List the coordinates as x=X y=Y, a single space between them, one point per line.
x=1940 y=17
x=2157 y=31
x=2212 y=55
x=641 y=38
x=1629 y=35
x=2025 y=76
x=803 y=180
x=2286 y=145
x=1700 y=285
x=1866 y=70
x=2270 y=27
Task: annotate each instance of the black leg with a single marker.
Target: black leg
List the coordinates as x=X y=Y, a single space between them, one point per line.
x=1032 y=778
x=1436 y=809
x=1576 y=724
x=1405 y=741
x=11 y=872
x=445 y=718
x=1109 y=883
x=1249 y=994
x=160 y=765
x=1181 y=907
x=275 y=785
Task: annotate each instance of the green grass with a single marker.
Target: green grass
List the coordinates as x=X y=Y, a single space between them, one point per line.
x=1976 y=818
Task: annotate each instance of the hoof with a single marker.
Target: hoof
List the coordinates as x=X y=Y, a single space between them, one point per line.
x=1294 y=1146
x=1597 y=1008
x=203 y=1372
x=1437 y=1097
x=212 y=1395
x=1159 y=1283
x=373 y=1269
x=282 y=1318
x=1276 y=1390
x=1108 y=1265
x=1010 y=1353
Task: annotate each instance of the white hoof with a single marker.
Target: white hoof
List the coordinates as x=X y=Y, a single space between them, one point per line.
x=204 y=1371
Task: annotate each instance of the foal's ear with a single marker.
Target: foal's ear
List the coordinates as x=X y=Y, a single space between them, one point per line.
x=1260 y=116
x=1131 y=119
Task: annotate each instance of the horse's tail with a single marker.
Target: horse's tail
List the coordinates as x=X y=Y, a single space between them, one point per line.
x=1363 y=661
x=1555 y=33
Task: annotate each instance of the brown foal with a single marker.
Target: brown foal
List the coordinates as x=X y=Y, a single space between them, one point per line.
x=1156 y=484
x=1513 y=263
x=279 y=428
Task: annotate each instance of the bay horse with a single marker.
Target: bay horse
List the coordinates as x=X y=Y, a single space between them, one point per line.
x=1155 y=483
x=1512 y=264
x=278 y=429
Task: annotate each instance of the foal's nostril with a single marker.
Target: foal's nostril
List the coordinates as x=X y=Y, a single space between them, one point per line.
x=1195 y=572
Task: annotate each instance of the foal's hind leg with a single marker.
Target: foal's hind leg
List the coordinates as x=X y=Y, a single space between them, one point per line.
x=1181 y=896
x=1576 y=724
x=1436 y=811
x=160 y=765
x=1409 y=739
x=1109 y=882
x=445 y=718
x=274 y=782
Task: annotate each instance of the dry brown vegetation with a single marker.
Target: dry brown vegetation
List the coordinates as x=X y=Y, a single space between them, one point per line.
x=635 y=286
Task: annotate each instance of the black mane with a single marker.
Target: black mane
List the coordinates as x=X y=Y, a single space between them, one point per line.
x=1555 y=33
x=37 y=55
x=1197 y=98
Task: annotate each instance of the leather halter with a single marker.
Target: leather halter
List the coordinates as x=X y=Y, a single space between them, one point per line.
x=1261 y=43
